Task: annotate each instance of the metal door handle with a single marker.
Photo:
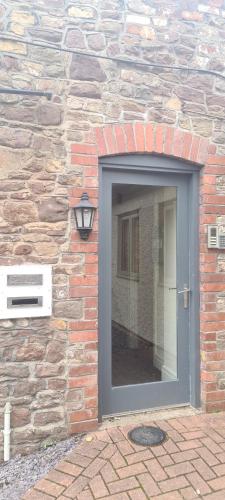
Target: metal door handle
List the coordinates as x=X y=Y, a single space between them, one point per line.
x=185 y=292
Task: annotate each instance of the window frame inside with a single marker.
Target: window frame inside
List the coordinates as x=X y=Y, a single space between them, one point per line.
x=133 y=246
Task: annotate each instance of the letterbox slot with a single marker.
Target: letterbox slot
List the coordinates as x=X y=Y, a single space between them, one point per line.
x=24 y=302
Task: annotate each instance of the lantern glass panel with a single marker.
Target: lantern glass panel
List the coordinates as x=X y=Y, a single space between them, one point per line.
x=92 y=217
x=87 y=212
x=79 y=217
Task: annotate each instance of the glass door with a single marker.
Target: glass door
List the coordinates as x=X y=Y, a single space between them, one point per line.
x=144 y=317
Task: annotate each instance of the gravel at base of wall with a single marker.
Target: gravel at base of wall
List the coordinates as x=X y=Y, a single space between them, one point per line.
x=21 y=472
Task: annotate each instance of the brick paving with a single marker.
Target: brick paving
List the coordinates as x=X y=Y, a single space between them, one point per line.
x=189 y=465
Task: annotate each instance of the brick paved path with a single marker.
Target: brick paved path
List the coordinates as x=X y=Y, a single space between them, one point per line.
x=190 y=464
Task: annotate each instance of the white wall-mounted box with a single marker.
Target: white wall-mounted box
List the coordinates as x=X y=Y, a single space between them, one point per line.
x=25 y=291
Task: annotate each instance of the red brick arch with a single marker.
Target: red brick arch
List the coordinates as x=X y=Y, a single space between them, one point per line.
x=141 y=138
x=160 y=139
x=151 y=138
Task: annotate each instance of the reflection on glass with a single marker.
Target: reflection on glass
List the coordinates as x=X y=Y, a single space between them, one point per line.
x=144 y=336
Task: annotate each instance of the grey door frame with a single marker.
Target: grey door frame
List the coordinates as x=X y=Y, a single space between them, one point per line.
x=144 y=163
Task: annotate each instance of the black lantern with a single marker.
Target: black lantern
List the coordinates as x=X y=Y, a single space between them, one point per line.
x=84 y=215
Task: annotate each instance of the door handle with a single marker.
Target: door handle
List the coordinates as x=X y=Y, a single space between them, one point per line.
x=185 y=292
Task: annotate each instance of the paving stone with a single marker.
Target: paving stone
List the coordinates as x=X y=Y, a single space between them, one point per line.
x=173 y=484
x=156 y=470
x=208 y=457
x=215 y=436
x=76 y=487
x=175 y=495
x=94 y=467
x=189 y=493
x=131 y=470
x=190 y=422
x=49 y=487
x=177 y=424
x=193 y=435
x=204 y=470
x=108 y=451
x=123 y=485
x=35 y=495
x=165 y=460
x=189 y=445
x=170 y=446
x=98 y=487
x=175 y=436
x=139 y=457
x=211 y=445
x=137 y=447
x=182 y=456
x=219 y=495
x=117 y=460
x=116 y=435
x=88 y=451
x=104 y=436
x=198 y=483
x=120 y=496
x=221 y=432
x=85 y=495
x=98 y=444
x=149 y=485
x=219 y=457
x=60 y=478
x=125 y=448
x=179 y=469
x=80 y=460
x=68 y=468
x=218 y=483
x=164 y=424
x=108 y=473
x=158 y=451
x=137 y=494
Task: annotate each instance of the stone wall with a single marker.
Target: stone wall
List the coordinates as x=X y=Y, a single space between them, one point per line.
x=49 y=366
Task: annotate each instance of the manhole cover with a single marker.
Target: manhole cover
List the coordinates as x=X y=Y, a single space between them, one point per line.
x=147 y=435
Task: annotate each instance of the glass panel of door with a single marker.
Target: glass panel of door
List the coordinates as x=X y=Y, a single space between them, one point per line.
x=144 y=276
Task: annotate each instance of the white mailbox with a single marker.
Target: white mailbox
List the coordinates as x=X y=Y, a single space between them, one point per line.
x=25 y=291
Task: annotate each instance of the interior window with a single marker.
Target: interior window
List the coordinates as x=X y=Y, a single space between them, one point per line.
x=128 y=245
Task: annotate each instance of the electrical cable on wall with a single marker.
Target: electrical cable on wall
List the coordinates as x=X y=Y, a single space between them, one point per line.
x=115 y=59
x=108 y=58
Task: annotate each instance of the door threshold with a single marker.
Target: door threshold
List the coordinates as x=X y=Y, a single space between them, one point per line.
x=162 y=413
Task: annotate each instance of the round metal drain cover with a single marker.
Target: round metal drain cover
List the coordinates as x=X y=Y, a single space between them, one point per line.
x=147 y=435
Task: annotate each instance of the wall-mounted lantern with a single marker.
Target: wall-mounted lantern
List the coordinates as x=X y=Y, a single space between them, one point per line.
x=84 y=216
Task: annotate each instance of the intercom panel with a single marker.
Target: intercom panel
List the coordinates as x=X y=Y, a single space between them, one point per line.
x=216 y=237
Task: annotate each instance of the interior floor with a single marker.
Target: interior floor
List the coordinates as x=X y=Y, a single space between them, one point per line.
x=131 y=364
